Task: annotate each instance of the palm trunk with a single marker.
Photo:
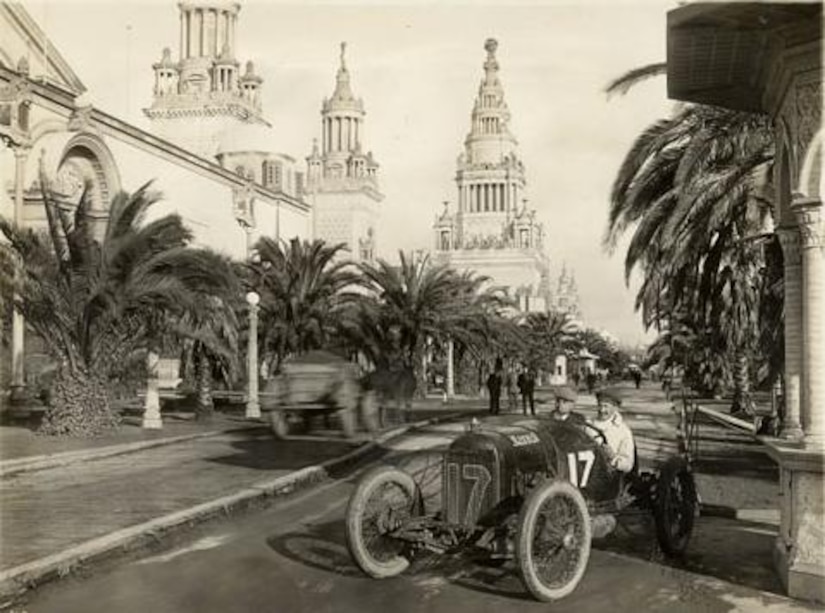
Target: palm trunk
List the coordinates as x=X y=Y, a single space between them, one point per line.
x=742 y=400
x=204 y=406
x=78 y=406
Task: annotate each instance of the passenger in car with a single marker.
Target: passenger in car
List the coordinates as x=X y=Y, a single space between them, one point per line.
x=565 y=403
x=618 y=447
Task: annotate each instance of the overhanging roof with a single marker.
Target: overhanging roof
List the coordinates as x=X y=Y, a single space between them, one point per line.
x=721 y=53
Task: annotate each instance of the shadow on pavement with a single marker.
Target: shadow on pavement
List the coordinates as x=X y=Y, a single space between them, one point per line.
x=323 y=547
x=732 y=550
x=261 y=451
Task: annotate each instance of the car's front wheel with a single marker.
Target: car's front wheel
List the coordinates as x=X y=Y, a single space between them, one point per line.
x=553 y=540
x=674 y=507
x=383 y=501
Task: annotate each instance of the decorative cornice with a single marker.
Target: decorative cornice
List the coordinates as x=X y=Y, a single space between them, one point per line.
x=808 y=212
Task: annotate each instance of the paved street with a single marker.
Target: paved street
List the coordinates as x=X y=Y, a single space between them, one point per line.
x=292 y=557
x=38 y=510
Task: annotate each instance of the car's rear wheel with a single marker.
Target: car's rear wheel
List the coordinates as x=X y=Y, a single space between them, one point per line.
x=369 y=411
x=383 y=501
x=553 y=540
x=674 y=507
x=278 y=423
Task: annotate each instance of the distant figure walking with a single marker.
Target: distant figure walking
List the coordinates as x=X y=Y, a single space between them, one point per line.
x=637 y=378
x=494 y=382
x=527 y=387
x=590 y=379
x=512 y=391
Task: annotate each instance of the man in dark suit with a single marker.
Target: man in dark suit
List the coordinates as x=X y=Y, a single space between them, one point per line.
x=527 y=387
x=494 y=382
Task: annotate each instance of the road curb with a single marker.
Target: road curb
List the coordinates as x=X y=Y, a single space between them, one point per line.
x=17 y=580
x=52 y=460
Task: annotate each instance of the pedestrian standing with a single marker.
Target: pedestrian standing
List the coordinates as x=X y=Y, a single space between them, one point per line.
x=527 y=387
x=494 y=382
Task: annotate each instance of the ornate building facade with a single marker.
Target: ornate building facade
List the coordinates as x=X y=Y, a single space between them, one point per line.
x=48 y=132
x=492 y=231
x=204 y=94
x=342 y=179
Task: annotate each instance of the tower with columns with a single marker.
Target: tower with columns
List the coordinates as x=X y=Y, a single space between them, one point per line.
x=341 y=178
x=204 y=94
x=492 y=230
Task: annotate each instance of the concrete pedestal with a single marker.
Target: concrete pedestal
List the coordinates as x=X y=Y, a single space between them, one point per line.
x=151 y=406
x=799 y=554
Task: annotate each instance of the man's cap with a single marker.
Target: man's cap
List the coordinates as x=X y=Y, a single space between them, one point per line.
x=612 y=395
x=565 y=393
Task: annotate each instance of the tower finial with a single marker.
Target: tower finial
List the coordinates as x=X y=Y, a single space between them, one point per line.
x=343 y=51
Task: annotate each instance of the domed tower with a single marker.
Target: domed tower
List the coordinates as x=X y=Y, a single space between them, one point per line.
x=342 y=179
x=202 y=95
x=492 y=231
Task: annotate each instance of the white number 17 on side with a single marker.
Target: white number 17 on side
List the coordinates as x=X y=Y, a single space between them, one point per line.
x=587 y=457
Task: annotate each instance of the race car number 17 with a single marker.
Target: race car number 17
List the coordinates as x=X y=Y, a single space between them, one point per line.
x=586 y=458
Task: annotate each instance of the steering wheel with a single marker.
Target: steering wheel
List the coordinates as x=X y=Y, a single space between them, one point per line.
x=598 y=431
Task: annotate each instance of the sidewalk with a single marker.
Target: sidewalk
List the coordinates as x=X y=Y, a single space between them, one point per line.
x=134 y=484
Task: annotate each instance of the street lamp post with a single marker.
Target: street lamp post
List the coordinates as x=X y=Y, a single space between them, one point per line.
x=253 y=407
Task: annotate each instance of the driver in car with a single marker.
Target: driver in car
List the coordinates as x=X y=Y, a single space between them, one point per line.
x=565 y=403
x=618 y=445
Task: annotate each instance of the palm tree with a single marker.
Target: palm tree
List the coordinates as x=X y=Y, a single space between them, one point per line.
x=547 y=335
x=99 y=303
x=305 y=293
x=691 y=188
x=417 y=300
x=210 y=342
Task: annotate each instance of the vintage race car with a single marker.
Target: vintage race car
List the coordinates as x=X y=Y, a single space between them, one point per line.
x=535 y=489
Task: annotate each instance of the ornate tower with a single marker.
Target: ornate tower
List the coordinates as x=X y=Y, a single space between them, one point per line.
x=202 y=95
x=493 y=232
x=342 y=180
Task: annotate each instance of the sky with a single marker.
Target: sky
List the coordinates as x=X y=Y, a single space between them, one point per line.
x=417 y=65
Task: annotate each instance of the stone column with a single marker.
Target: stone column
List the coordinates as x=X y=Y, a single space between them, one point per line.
x=200 y=26
x=450 y=369
x=18 y=324
x=181 y=48
x=792 y=257
x=812 y=234
x=232 y=21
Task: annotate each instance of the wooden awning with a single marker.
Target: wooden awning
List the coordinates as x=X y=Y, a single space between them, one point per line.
x=723 y=53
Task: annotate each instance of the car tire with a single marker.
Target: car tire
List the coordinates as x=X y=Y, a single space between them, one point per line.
x=369 y=412
x=380 y=564
x=573 y=539
x=674 y=507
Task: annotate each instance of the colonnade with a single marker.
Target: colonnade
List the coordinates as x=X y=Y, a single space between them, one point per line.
x=341 y=133
x=204 y=32
x=492 y=196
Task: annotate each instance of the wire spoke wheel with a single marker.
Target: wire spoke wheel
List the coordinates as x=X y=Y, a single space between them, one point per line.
x=675 y=507
x=553 y=543
x=384 y=501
